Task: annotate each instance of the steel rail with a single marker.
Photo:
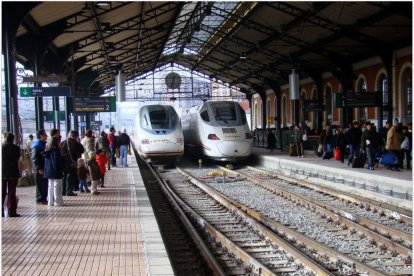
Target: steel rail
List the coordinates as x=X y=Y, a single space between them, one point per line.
x=348 y=219
x=228 y=203
x=390 y=210
x=205 y=252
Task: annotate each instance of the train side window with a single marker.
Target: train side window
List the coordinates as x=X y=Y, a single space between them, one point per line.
x=145 y=121
x=243 y=115
x=204 y=116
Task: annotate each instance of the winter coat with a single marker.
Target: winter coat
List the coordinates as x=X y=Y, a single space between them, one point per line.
x=76 y=150
x=82 y=173
x=124 y=139
x=325 y=137
x=94 y=171
x=101 y=160
x=393 y=139
x=354 y=136
x=111 y=139
x=102 y=143
x=37 y=158
x=53 y=164
x=88 y=143
x=297 y=136
x=10 y=160
x=339 y=140
x=271 y=140
x=373 y=137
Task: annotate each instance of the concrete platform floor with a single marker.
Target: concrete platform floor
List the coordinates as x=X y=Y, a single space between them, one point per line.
x=113 y=233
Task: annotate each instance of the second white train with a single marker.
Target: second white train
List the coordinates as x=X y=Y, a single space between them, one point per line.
x=158 y=135
x=218 y=131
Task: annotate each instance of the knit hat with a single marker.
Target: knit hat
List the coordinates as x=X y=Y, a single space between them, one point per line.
x=81 y=163
x=92 y=154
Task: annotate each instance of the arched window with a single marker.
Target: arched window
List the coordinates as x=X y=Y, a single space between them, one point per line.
x=362 y=113
x=314 y=122
x=278 y=119
x=328 y=104
x=383 y=89
x=303 y=115
x=268 y=114
x=284 y=112
x=407 y=95
x=256 y=115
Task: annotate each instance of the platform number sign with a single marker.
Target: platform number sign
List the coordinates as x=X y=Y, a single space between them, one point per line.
x=94 y=104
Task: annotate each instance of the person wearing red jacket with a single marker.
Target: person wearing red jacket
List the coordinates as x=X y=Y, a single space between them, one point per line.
x=112 y=145
x=101 y=160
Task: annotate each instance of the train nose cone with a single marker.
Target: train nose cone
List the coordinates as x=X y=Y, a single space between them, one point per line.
x=233 y=148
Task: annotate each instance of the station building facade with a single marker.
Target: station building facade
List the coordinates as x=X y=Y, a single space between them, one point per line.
x=371 y=76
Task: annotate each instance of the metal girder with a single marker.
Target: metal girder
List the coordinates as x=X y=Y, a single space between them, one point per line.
x=227 y=35
x=176 y=16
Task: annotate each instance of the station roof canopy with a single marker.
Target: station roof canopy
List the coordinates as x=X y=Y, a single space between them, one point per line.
x=247 y=44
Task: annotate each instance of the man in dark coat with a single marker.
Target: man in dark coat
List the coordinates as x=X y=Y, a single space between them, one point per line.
x=353 y=135
x=10 y=174
x=370 y=141
x=38 y=160
x=71 y=151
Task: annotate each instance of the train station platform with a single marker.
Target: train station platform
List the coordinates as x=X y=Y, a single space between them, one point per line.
x=380 y=184
x=113 y=233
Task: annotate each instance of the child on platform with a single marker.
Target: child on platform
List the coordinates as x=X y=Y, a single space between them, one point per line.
x=101 y=159
x=94 y=172
x=82 y=173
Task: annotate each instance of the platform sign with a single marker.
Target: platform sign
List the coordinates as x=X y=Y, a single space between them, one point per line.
x=94 y=104
x=50 y=116
x=313 y=106
x=362 y=99
x=45 y=91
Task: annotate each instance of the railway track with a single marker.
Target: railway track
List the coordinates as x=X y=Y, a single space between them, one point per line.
x=311 y=227
x=240 y=244
x=183 y=253
x=395 y=223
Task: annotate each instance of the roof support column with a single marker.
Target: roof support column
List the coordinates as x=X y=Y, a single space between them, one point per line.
x=40 y=124
x=11 y=86
x=389 y=63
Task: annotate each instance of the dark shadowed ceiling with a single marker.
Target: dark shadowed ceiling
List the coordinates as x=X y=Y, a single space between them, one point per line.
x=247 y=44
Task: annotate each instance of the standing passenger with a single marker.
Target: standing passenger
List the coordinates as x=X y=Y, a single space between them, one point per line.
x=10 y=174
x=325 y=139
x=394 y=143
x=340 y=142
x=125 y=146
x=54 y=171
x=88 y=143
x=82 y=172
x=71 y=151
x=39 y=165
x=102 y=143
x=370 y=143
x=101 y=160
x=94 y=172
x=271 y=140
x=353 y=135
x=112 y=145
x=298 y=140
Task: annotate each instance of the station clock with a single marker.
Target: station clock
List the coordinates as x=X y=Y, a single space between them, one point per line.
x=173 y=80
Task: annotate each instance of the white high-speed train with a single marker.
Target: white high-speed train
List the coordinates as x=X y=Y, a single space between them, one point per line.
x=218 y=131
x=158 y=135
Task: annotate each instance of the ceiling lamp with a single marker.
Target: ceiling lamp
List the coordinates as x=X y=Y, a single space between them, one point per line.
x=102 y=4
x=243 y=56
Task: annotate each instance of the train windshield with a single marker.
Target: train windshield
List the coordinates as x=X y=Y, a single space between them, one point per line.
x=225 y=113
x=159 y=117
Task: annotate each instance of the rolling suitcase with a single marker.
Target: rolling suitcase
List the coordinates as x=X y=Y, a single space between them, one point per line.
x=359 y=161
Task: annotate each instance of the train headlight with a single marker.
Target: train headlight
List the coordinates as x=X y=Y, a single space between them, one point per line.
x=179 y=140
x=145 y=142
x=249 y=136
x=213 y=137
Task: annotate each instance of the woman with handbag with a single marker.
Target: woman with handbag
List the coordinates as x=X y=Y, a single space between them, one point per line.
x=339 y=144
x=393 y=144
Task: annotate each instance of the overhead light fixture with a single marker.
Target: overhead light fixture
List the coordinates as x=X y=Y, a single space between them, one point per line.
x=102 y=4
x=243 y=56
x=208 y=10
